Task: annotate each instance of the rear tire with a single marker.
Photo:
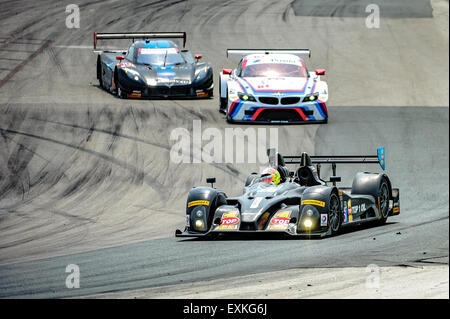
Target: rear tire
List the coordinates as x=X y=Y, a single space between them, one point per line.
x=383 y=197
x=99 y=72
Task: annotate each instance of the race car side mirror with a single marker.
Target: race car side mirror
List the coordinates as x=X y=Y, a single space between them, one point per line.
x=320 y=71
x=120 y=57
x=211 y=180
x=227 y=71
x=335 y=179
x=198 y=56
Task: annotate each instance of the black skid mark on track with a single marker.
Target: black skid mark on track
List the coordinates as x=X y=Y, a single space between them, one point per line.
x=157 y=187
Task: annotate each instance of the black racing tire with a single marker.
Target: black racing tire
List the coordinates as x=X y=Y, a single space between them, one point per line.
x=99 y=72
x=383 y=198
x=119 y=92
x=222 y=101
x=334 y=214
x=100 y=76
x=223 y=105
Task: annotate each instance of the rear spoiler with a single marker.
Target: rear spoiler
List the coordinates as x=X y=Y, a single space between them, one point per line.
x=138 y=35
x=300 y=52
x=379 y=158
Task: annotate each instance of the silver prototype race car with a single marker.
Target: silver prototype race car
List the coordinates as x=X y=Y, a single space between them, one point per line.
x=295 y=203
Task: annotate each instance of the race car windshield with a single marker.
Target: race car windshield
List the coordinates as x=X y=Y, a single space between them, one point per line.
x=274 y=70
x=159 y=58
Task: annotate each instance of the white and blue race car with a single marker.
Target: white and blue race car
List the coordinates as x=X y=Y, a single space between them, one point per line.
x=273 y=86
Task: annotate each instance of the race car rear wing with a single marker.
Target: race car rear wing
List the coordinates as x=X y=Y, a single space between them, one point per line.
x=300 y=52
x=137 y=35
x=379 y=158
x=340 y=159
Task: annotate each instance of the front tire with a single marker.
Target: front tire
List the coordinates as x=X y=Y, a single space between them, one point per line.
x=334 y=214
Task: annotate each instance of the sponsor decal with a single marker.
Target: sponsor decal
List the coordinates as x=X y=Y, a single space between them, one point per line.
x=345 y=215
x=280 y=220
x=166 y=74
x=349 y=209
x=157 y=51
x=313 y=202
x=198 y=202
x=126 y=64
x=229 y=221
x=396 y=209
x=188 y=220
x=323 y=219
x=358 y=208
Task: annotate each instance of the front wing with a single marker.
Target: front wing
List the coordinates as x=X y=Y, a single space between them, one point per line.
x=288 y=232
x=240 y=111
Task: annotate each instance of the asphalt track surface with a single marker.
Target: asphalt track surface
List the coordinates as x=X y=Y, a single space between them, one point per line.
x=86 y=178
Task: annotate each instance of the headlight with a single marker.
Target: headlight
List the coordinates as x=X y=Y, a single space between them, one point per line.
x=199 y=224
x=307 y=223
x=246 y=97
x=201 y=71
x=151 y=82
x=199 y=213
x=309 y=212
x=132 y=74
x=309 y=218
x=311 y=97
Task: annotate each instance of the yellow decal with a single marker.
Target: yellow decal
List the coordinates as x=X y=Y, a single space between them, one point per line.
x=396 y=209
x=198 y=202
x=313 y=202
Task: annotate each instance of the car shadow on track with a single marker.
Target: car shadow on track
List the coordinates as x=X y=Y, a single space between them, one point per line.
x=347 y=229
x=180 y=98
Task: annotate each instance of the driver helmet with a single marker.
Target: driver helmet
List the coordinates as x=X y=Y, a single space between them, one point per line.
x=270 y=175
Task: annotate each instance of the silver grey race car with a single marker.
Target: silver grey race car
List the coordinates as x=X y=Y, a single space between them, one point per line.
x=302 y=204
